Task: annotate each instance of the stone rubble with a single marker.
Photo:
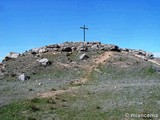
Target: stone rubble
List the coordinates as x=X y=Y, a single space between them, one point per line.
x=80 y=46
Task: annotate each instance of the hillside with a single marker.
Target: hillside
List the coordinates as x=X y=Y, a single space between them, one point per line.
x=79 y=81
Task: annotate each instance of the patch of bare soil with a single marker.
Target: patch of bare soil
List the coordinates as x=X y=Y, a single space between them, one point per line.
x=54 y=93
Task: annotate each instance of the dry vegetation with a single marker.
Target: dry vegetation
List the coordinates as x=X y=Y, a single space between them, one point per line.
x=106 y=86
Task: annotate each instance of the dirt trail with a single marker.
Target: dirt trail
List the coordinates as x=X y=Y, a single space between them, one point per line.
x=150 y=60
x=153 y=61
x=100 y=59
x=103 y=57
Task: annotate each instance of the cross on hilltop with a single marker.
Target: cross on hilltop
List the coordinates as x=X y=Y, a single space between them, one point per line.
x=84 y=29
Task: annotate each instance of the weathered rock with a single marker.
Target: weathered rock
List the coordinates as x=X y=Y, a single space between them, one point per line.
x=53 y=46
x=144 y=58
x=13 y=55
x=43 y=50
x=106 y=47
x=66 y=49
x=35 y=51
x=73 y=48
x=115 y=48
x=23 y=77
x=110 y=48
x=125 y=49
x=149 y=55
x=44 y=61
x=83 y=57
x=95 y=47
x=93 y=43
x=83 y=48
x=55 y=49
x=141 y=52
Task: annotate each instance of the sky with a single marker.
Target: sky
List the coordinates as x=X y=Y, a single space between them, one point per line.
x=27 y=24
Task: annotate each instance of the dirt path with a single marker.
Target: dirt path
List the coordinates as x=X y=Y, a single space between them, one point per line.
x=153 y=61
x=100 y=59
x=150 y=60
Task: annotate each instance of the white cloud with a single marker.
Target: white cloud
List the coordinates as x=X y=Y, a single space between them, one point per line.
x=156 y=54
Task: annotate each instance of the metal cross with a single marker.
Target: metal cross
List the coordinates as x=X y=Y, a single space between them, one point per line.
x=84 y=29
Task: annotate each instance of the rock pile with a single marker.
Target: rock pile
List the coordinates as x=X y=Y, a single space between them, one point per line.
x=145 y=55
x=36 y=57
x=79 y=46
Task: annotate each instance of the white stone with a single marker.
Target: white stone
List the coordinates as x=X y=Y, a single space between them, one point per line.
x=13 y=55
x=22 y=77
x=83 y=56
x=43 y=61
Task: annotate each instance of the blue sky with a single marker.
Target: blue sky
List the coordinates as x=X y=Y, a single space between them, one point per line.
x=26 y=24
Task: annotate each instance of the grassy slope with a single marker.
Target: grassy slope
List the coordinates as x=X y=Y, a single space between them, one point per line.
x=124 y=84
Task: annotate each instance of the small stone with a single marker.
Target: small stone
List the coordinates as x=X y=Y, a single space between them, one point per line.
x=83 y=57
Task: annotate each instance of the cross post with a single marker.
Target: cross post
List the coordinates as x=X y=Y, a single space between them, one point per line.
x=84 y=30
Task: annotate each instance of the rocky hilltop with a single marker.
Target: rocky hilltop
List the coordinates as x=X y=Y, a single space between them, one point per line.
x=79 y=81
x=18 y=65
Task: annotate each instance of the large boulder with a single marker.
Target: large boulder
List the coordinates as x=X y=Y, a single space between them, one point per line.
x=83 y=57
x=44 y=61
